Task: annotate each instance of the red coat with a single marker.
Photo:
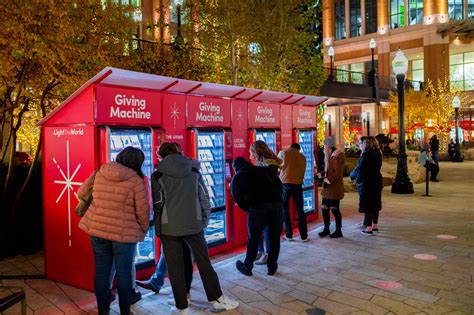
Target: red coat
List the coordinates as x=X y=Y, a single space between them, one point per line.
x=335 y=174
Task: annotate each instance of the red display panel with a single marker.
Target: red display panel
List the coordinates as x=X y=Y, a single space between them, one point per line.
x=208 y=112
x=174 y=119
x=69 y=157
x=239 y=129
x=264 y=115
x=304 y=117
x=127 y=107
x=79 y=110
x=286 y=126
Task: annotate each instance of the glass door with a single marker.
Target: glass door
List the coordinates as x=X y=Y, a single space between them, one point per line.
x=305 y=139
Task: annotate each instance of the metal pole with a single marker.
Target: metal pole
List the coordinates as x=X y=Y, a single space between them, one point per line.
x=457 y=154
x=329 y=124
x=402 y=183
x=331 y=65
x=427 y=193
x=368 y=124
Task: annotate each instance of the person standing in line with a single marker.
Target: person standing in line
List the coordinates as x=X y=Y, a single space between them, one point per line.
x=434 y=146
x=355 y=172
x=333 y=187
x=181 y=220
x=118 y=218
x=264 y=157
x=370 y=184
x=425 y=159
x=258 y=190
x=292 y=175
x=451 y=150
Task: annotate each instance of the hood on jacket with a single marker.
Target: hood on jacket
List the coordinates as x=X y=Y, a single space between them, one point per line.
x=239 y=163
x=337 y=153
x=273 y=162
x=116 y=172
x=176 y=165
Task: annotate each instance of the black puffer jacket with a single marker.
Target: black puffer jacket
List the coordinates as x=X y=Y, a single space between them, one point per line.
x=369 y=181
x=253 y=185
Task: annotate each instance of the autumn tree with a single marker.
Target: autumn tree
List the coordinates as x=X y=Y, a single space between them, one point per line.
x=347 y=135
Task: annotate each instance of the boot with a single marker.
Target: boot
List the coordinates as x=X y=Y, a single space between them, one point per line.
x=324 y=232
x=327 y=222
x=336 y=234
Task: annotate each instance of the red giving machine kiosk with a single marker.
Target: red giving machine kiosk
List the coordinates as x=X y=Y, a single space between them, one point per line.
x=119 y=108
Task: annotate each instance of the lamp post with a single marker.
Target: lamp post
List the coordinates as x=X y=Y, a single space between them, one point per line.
x=402 y=183
x=456 y=105
x=372 y=45
x=137 y=17
x=179 y=37
x=327 y=123
x=366 y=121
x=331 y=65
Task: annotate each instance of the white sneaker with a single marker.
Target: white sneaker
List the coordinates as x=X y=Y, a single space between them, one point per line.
x=263 y=260
x=289 y=239
x=172 y=302
x=305 y=240
x=166 y=290
x=175 y=311
x=223 y=304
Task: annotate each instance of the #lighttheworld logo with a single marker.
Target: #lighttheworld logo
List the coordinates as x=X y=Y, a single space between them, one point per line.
x=68 y=183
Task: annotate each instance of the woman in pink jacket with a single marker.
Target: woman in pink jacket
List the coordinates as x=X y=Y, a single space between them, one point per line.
x=116 y=220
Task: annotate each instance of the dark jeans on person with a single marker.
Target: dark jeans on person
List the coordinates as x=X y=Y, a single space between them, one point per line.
x=297 y=192
x=371 y=217
x=173 y=248
x=435 y=156
x=434 y=170
x=261 y=216
x=106 y=252
x=334 y=206
x=261 y=248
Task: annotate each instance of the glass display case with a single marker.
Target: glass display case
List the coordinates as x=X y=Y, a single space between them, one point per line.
x=305 y=139
x=268 y=136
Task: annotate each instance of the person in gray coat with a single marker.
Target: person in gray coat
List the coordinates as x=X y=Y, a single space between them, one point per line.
x=182 y=207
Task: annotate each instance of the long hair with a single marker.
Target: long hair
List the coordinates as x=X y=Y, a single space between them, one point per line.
x=260 y=150
x=371 y=144
x=132 y=158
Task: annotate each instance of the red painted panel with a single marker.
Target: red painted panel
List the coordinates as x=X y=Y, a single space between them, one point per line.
x=128 y=107
x=79 y=110
x=208 y=112
x=69 y=157
x=264 y=115
x=174 y=119
x=286 y=126
x=304 y=117
x=240 y=138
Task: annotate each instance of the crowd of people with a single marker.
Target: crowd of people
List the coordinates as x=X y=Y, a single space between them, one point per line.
x=262 y=186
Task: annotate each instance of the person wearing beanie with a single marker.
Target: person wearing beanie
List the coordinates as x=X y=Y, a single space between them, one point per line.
x=333 y=187
x=427 y=161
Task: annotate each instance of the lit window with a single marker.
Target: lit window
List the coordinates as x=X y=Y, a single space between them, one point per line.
x=397 y=13
x=340 y=19
x=370 y=16
x=356 y=19
x=455 y=9
x=357 y=75
x=461 y=71
x=415 y=11
x=470 y=9
x=342 y=73
x=417 y=70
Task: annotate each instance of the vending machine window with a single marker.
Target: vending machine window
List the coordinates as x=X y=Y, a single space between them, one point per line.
x=141 y=139
x=305 y=139
x=267 y=136
x=210 y=152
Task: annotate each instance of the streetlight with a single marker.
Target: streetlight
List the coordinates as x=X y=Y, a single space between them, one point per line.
x=179 y=37
x=402 y=183
x=327 y=123
x=372 y=45
x=366 y=121
x=137 y=17
x=331 y=65
x=456 y=105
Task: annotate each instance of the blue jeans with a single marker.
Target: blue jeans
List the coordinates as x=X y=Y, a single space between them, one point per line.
x=297 y=192
x=261 y=249
x=105 y=254
x=158 y=278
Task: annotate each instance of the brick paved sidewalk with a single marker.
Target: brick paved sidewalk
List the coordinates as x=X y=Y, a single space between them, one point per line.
x=358 y=274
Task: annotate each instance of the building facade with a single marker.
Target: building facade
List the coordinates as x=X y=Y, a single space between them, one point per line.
x=435 y=35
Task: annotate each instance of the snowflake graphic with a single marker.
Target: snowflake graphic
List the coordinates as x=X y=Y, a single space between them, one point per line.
x=240 y=117
x=174 y=113
x=68 y=182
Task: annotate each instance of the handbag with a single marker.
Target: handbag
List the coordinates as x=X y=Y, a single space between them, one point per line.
x=85 y=202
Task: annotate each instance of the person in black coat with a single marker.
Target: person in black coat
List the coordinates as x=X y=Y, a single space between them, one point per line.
x=434 y=144
x=353 y=174
x=258 y=190
x=370 y=184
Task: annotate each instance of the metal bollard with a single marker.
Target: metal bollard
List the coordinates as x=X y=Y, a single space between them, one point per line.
x=427 y=166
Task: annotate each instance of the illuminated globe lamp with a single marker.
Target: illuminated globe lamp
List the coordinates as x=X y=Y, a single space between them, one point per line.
x=457 y=153
x=402 y=183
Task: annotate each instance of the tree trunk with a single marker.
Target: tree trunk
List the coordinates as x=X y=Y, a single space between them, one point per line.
x=233 y=66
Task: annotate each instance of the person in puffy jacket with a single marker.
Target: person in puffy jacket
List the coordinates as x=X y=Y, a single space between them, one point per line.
x=182 y=207
x=118 y=218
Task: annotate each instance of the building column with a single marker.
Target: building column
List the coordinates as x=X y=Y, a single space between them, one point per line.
x=328 y=22
x=384 y=62
x=435 y=11
x=382 y=17
x=347 y=7
x=435 y=52
x=374 y=121
x=362 y=15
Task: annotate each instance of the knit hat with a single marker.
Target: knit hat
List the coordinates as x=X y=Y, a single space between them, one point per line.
x=329 y=141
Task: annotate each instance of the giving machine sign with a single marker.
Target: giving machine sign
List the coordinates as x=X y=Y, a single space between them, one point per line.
x=264 y=115
x=304 y=117
x=208 y=112
x=127 y=106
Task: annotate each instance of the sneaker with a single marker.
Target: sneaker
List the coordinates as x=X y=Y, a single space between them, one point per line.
x=241 y=267
x=172 y=302
x=166 y=290
x=324 y=233
x=288 y=238
x=367 y=232
x=305 y=240
x=434 y=180
x=223 y=304
x=136 y=296
x=271 y=272
x=176 y=311
x=263 y=260
x=336 y=234
x=259 y=255
x=146 y=285
x=375 y=230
